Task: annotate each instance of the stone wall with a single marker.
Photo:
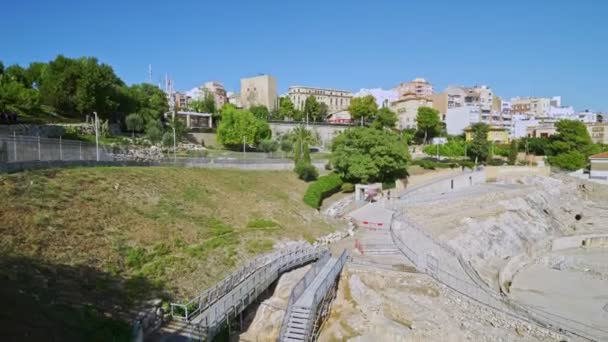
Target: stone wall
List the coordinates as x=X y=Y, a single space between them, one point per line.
x=325 y=133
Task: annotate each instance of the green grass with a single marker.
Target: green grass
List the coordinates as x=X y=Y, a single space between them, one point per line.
x=152 y=232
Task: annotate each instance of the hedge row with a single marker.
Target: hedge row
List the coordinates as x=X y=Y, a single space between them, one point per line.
x=322 y=188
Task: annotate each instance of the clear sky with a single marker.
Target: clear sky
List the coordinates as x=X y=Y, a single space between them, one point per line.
x=525 y=48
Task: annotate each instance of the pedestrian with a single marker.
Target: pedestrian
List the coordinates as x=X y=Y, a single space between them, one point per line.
x=388 y=195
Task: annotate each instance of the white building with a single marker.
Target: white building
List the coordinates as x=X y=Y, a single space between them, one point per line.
x=459 y=118
x=336 y=100
x=383 y=97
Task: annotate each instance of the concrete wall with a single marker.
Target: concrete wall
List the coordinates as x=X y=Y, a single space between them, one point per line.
x=450 y=183
x=495 y=172
x=326 y=133
x=590 y=240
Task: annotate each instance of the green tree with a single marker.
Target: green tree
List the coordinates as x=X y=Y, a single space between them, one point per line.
x=238 y=125
x=204 y=105
x=479 y=148
x=323 y=111
x=385 y=118
x=268 y=146
x=147 y=100
x=362 y=108
x=428 y=122
x=260 y=112
x=286 y=108
x=571 y=136
x=571 y=160
x=368 y=155
x=311 y=108
x=513 y=152
x=134 y=122
x=570 y=147
x=154 y=131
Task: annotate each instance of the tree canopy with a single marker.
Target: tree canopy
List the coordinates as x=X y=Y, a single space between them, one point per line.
x=570 y=147
x=312 y=111
x=362 y=108
x=260 y=112
x=238 y=125
x=204 y=105
x=75 y=88
x=479 y=148
x=367 y=155
x=286 y=108
x=428 y=122
x=385 y=118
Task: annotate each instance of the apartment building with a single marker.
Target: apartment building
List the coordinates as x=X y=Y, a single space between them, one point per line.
x=259 y=90
x=406 y=109
x=215 y=89
x=598 y=132
x=181 y=100
x=336 y=100
x=534 y=106
x=418 y=86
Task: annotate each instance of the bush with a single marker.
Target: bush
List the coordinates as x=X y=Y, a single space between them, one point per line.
x=496 y=162
x=324 y=186
x=467 y=163
x=570 y=161
x=306 y=171
x=347 y=187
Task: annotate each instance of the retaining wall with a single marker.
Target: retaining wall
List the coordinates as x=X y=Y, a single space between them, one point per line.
x=495 y=172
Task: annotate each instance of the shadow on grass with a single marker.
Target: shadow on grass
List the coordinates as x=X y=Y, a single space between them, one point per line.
x=48 y=302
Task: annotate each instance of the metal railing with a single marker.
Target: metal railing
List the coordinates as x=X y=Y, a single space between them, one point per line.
x=216 y=305
x=299 y=288
x=444 y=265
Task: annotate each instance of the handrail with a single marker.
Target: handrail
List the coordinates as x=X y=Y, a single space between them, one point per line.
x=299 y=288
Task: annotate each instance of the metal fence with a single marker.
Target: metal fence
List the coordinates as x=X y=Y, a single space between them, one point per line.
x=444 y=264
x=299 y=288
x=19 y=148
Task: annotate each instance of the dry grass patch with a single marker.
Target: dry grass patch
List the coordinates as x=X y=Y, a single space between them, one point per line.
x=178 y=229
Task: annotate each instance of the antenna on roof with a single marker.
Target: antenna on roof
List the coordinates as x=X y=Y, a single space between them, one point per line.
x=150 y=73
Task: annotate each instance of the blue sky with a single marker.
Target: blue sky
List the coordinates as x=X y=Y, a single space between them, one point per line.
x=526 y=48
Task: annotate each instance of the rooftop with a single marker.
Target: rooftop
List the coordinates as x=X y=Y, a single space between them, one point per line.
x=603 y=155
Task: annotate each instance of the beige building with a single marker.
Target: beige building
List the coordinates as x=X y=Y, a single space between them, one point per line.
x=599 y=166
x=541 y=131
x=406 y=109
x=259 y=90
x=218 y=92
x=181 y=100
x=418 y=86
x=496 y=134
x=532 y=106
x=336 y=100
x=598 y=132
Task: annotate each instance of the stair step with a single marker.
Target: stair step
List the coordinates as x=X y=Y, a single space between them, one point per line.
x=297 y=321
x=300 y=315
x=293 y=339
x=297 y=325
x=300 y=309
x=296 y=330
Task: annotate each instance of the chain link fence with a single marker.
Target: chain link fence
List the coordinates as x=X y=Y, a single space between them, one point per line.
x=19 y=148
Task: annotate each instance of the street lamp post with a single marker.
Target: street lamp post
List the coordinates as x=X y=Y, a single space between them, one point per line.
x=96 y=135
x=174 y=145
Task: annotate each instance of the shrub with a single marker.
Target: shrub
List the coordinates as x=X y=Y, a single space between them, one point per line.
x=322 y=188
x=467 y=163
x=570 y=161
x=328 y=166
x=347 y=187
x=496 y=162
x=306 y=171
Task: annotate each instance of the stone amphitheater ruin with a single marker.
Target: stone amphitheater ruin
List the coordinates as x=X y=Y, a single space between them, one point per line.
x=472 y=258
